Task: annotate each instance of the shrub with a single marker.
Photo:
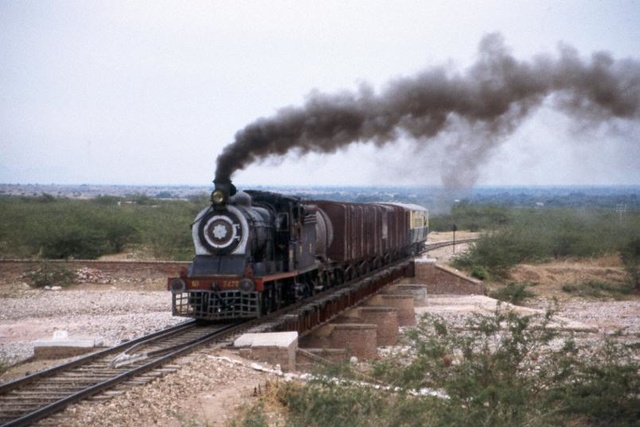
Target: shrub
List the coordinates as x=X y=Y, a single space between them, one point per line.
x=49 y=274
x=479 y=272
x=170 y=238
x=630 y=255
x=514 y=293
x=59 y=228
x=499 y=252
x=598 y=289
x=539 y=235
x=502 y=369
x=486 y=372
x=604 y=388
x=119 y=234
x=252 y=416
x=73 y=242
x=330 y=401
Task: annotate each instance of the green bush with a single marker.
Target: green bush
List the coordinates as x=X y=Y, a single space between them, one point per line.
x=472 y=217
x=53 y=228
x=49 y=274
x=167 y=231
x=500 y=370
x=539 y=235
x=73 y=242
x=630 y=255
x=119 y=234
x=598 y=289
x=327 y=401
x=514 y=293
x=604 y=388
x=504 y=369
x=499 y=252
x=252 y=416
x=486 y=372
x=479 y=272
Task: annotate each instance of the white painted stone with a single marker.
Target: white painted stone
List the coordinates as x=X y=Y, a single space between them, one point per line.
x=61 y=338
x=267 y=339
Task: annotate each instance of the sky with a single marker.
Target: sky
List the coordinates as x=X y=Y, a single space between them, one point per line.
x=151 y=92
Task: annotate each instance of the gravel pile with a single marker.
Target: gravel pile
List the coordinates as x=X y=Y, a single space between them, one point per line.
x=111 y=316
x=608 y=316
x=91 y=275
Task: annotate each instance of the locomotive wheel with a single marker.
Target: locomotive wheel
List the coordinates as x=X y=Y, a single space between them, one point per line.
x=340 y=277
x=349 y=274
x=326 y=280
x=272 y=298
x=368 y=267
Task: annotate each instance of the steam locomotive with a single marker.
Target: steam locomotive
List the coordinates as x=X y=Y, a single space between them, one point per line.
x=258 y=251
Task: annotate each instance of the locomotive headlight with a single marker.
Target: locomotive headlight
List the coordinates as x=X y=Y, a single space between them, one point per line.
x=178 y=286
x=246 y=286
x=218 y=197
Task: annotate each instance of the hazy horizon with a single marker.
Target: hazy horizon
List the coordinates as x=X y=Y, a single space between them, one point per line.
x=329 y=186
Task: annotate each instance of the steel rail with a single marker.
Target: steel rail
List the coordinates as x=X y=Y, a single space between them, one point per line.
x=437 y=245
x=100 y=384
x=20 y=382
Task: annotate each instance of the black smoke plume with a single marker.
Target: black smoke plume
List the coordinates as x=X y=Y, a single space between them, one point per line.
x=489 y=100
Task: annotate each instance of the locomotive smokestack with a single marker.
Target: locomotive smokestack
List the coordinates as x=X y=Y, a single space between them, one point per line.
x=222 y=192
x=477 y=108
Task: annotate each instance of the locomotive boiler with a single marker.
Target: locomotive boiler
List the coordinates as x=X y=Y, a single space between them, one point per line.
x=258 y=251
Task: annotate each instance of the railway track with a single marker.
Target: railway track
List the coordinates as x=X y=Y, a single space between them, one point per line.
x=40 y=395
x=436 y=245
x=37 y=396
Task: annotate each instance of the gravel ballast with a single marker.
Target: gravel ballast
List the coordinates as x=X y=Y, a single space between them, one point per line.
x=108 y=315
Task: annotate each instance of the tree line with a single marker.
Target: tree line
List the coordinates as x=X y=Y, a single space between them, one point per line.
x=56 y=228
x=47 y=227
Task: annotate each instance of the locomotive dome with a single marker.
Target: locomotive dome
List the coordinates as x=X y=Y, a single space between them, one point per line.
x=241 y=198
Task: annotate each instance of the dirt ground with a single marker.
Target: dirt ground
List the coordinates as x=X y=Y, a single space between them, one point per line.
x=549 y=278
x=546 y=279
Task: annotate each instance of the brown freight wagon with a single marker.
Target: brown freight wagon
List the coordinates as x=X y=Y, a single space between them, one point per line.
x=364 y=234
